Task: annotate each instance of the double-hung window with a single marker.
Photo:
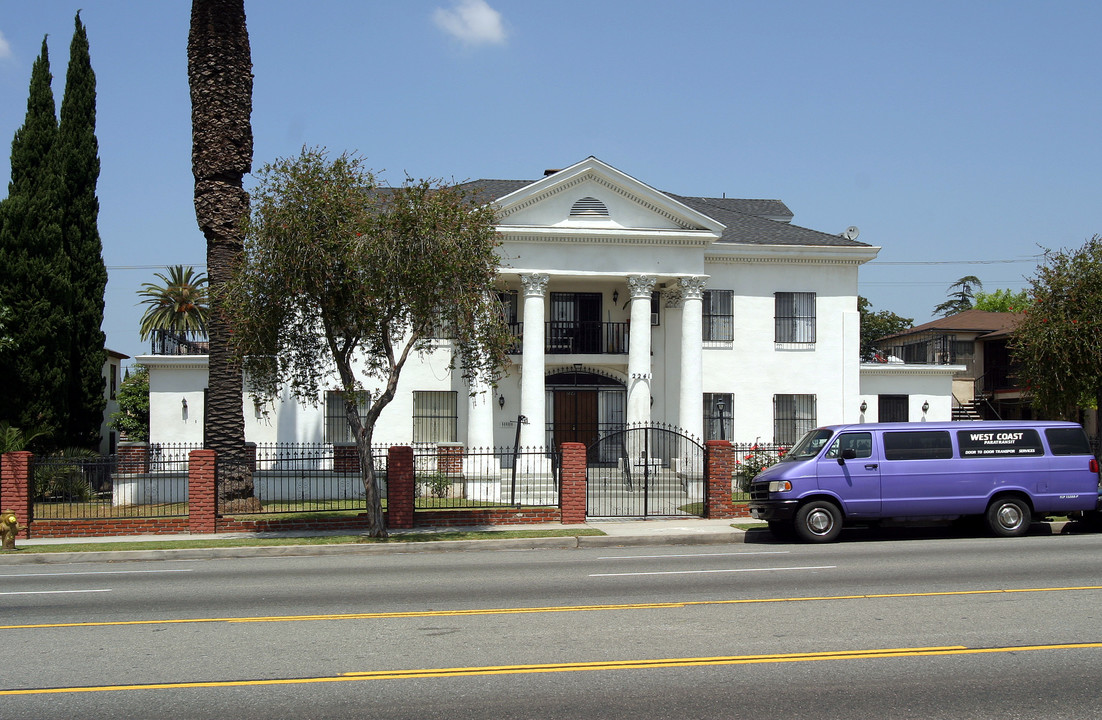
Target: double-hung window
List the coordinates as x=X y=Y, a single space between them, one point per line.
x=718 y=315
x=793 y=417
x=336 y=419
x=435 y=416
x=794 y=317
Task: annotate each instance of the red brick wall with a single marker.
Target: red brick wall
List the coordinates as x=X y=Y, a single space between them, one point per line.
x=201 y=492
x=572 y=492
x=719 y=464
x=15 y=484
x=399 y=487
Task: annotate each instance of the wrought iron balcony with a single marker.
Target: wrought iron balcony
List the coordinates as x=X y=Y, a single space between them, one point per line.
x=166 y=342
x=578 y=337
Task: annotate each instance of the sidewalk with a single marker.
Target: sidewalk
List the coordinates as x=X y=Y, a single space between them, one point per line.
x=677 y=531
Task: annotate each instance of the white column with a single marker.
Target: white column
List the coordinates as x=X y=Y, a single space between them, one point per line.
x=480 y=416
x=639 y=363
x=532 y=399
x=690 y=415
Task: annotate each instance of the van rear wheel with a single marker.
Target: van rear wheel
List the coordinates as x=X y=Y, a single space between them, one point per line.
x=819 y=521
x=1008 y=517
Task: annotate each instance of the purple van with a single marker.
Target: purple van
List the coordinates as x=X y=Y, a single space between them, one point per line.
x=1005 y=472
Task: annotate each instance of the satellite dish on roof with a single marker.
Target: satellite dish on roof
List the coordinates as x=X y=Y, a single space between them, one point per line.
x=851 y=232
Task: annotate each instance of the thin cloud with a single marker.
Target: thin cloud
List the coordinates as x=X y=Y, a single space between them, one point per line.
x=472 y=22
x=5 y=47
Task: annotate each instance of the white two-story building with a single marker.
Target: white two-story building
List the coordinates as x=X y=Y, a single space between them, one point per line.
x=630 y=305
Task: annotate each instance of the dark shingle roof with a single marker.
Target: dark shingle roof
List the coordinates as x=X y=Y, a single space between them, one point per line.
x=748 y=222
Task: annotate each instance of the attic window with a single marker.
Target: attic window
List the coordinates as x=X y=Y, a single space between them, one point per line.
x=589 y=207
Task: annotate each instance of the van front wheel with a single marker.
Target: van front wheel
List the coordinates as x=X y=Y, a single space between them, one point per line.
x=819 y=521
x=1008 y=517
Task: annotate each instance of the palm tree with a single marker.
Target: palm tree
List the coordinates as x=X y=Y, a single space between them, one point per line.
x=221 y=82
x=961 y=295
x=178 y=305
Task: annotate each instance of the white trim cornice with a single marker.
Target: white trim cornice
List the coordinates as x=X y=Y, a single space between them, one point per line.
x=177 y=362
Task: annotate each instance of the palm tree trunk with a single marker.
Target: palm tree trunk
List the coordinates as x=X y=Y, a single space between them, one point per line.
x=220 y=78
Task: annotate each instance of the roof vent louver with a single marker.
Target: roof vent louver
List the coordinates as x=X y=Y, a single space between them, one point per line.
x=589 y=207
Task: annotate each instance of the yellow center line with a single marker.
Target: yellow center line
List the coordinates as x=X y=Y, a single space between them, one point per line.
x=873 y=654
x=547 y=609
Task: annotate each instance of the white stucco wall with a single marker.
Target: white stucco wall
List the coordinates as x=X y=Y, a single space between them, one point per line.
x=920 y=383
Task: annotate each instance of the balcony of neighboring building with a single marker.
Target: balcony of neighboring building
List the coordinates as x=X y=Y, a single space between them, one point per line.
x=167 y=342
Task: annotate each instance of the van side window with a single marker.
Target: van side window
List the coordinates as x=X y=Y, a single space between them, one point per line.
x=1068 y=441
x=861 y=443
x=918 y=445
x=999 y=443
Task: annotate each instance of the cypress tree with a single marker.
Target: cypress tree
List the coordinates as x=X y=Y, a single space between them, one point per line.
x=35 y=278
x=76 y=155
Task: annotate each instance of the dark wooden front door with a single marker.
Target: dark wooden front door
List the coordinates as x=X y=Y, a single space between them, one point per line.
x=575 y=416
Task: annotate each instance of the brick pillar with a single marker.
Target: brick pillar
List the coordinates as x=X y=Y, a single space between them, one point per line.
x=202 y=496
x=572 y=493
x=399 y=487
x=449 y=459
x=133 y=457
x=250 y=456
x=719 y=466
x=15 y=489
x=346 y=458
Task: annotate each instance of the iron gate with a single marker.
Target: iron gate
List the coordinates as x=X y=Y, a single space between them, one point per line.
x=645 y=471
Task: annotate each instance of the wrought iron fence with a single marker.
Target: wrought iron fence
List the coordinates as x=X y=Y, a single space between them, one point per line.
x=312 y=477
x=642 y=471
x=450 y=476
x=67 y=487
x=751 y=459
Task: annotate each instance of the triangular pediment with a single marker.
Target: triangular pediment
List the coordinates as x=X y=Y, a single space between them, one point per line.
x=592 y=195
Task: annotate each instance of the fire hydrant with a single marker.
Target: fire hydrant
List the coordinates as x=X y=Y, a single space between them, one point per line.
x=9 y=526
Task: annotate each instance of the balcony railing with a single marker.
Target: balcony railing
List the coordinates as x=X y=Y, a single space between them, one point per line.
x=579 y=337
x=166 y=342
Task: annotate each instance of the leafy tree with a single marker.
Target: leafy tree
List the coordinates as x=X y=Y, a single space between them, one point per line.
x=1057 y=344
x=178 y=305
x=339 y=272
x=961 y=295
x=132 y=419
x=875 y=325
x=1001 y=301
x=76 y=157
x=221 y=82
x=35 y=279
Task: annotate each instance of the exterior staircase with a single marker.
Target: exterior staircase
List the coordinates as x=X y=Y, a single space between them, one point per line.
x=972 y=410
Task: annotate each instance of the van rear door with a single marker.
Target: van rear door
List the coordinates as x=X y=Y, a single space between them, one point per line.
x=850 y=469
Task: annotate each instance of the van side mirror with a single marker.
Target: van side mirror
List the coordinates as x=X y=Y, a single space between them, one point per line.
x=847 y=454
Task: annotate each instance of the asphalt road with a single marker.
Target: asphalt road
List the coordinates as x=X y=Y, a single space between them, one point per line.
x=933 y=626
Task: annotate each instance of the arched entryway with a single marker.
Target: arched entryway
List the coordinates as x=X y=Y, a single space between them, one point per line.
x=583 y=406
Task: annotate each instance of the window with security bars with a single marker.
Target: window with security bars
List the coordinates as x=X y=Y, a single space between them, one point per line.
x=718 y=315
x=793 y=417
x=717 y=416
x=794 y=317
x=435 y=416
x=336 y=420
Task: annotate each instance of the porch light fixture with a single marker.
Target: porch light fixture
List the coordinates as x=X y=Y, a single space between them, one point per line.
x=501 y=401
x=615 y=296
x=925 y=407
x=183 y=404
x=864 y=406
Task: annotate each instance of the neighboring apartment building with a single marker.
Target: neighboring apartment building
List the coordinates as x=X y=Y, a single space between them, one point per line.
x=112 y=367
x=976 y=340
x=630 y=305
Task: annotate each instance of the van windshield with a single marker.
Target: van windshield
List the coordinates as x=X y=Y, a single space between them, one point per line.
x=808 y=446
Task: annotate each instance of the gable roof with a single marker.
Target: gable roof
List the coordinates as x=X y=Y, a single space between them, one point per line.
x=979 y=321
x=745 y=221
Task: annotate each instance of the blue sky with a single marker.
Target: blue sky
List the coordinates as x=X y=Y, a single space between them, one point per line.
x=960 y=136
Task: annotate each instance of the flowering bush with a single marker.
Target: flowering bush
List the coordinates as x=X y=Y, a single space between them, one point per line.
x=749 y=464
